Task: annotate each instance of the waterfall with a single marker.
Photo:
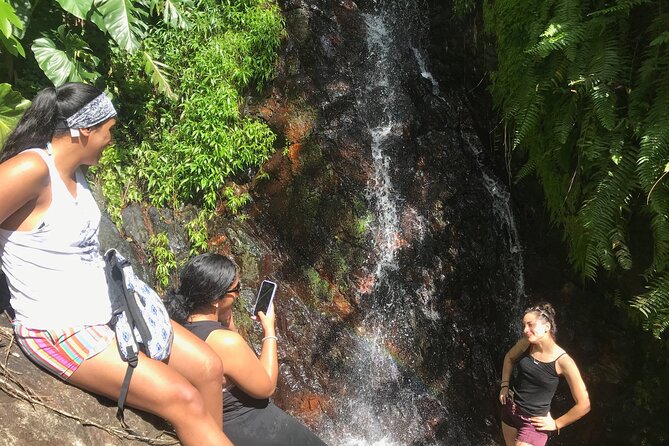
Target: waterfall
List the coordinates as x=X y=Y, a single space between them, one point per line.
x=384 y=401
x=381 y=408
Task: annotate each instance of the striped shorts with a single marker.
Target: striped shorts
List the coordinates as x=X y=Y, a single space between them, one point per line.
x=61 y=352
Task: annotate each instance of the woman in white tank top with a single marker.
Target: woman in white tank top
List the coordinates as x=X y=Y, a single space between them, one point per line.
x=49 y=252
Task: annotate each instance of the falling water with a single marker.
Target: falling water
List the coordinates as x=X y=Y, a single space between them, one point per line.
x=425 y=72
x=501 y=207
x=383 y=402
x=381 y=408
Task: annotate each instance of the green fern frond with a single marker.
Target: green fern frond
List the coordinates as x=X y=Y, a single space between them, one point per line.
x=528 y=168
x=601 y=217
x=654 y=305
x=621 y=8
x=659 y=206
x=565 y=121
x=621 y=248
x=527 y=118
x=557 y=37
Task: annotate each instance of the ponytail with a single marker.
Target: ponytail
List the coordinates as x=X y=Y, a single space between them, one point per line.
x=203 y=280
x=177 y=306
x=36 y=126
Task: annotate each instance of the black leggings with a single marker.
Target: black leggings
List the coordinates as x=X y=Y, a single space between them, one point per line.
x=268 y=426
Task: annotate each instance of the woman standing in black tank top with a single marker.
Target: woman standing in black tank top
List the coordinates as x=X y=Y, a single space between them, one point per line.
x=209 y=285
x=526 y=417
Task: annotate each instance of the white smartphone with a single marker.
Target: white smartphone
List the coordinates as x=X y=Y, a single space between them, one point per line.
x=265 y=297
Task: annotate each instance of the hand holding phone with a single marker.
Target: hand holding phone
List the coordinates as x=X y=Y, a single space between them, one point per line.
x=265 y=297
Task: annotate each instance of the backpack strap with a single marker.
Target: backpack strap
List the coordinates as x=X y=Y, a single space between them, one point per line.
x=132 y=363
x=118 y=296
x=134 y=314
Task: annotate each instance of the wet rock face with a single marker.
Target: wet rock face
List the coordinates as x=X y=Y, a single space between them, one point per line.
x=450 y=292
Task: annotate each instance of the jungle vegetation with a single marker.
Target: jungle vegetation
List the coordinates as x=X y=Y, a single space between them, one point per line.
x=182 y=138
x=583 y=88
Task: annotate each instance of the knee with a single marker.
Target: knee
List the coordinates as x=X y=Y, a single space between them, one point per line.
x=211 y=368
x=187 y=398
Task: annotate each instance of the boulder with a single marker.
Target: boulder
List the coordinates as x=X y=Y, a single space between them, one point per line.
x=37 y=408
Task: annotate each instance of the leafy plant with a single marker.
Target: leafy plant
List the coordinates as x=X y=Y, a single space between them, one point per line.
x=319 y=286
x=585 y=88
x=198 y=233
x=191 y=149
x=162 y=257
x=12 y=106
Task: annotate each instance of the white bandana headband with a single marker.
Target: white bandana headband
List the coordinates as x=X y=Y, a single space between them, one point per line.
x=98 y=110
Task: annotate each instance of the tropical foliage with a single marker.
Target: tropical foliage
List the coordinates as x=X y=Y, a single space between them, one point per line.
x=584 y=88
x=190 y=150
x=178 y=71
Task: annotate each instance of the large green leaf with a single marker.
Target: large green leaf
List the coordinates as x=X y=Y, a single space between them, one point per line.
x=172 y=11
x=123 y=23
x=24 y=11
x=10 y=27
x=79 y=8
x=12 y=45
x=12 y=106
x=72 y=62
x=8 y=19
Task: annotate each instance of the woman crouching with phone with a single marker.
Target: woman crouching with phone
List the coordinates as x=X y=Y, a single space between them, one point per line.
x=208 y=287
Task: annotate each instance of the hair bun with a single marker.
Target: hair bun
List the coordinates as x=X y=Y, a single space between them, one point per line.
x=177 y=306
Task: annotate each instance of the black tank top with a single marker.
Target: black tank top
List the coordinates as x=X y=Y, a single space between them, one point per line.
x=535 y=385
x=235 y=401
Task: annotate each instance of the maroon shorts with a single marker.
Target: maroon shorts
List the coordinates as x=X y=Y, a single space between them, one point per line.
x=513 y=416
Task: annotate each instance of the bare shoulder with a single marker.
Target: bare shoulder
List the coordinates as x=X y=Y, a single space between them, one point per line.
x=565 y=364
x=27 y=165
x=25 y=179
x=226 y=339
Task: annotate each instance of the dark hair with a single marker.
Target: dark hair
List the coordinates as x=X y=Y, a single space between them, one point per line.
x=203 y=280
x=545 y=311
x=46 y=116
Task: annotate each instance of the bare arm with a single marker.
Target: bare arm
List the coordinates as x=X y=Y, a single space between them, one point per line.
x=23 y=179
x=268 y=353
x=255 y=376
x=509 y=359
x=579 y=392
x=241 y=364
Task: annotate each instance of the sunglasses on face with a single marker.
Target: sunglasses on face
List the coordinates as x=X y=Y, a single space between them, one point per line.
x=236 y=289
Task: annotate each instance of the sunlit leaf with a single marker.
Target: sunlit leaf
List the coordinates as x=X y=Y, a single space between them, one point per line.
x=67 y=63
x=79 y=8
x=23 y=10
x=122 y=22
x=12 y=106
x=173 y=15
x=8 y=19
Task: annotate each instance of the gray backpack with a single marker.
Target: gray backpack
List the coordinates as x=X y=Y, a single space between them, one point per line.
x=139 y=319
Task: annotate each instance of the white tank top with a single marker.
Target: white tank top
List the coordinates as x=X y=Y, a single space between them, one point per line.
x=55 y=272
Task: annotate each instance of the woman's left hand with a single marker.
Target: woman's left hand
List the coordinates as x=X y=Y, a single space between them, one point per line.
x=546 y=423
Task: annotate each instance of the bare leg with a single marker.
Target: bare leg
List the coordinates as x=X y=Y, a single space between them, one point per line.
x=510 y=434
x=157 y=388
x=201 y=366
